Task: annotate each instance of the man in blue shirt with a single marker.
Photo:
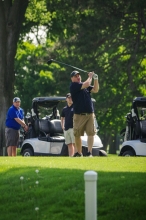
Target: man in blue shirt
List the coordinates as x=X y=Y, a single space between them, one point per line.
x=14 y=120
x=83 y=120
x=67 y=124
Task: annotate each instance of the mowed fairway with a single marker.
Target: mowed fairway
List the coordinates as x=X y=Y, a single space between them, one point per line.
x=52 y=188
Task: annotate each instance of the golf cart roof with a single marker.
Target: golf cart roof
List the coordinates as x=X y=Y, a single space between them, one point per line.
x=139 y=102
x=48 y=101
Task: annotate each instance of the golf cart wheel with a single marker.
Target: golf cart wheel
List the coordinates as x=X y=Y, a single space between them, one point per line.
x=128 y=153
x=27 y=153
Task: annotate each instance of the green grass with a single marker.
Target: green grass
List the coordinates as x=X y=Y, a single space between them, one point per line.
x=121 y=188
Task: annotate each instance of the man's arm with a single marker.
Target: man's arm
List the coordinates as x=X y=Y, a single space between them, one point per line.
x=62 y=122
x=87 y=83
x=22 y=123
x=95 y=88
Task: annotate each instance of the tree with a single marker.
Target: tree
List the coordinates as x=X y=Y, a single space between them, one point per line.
x=11 y=18
x=33 y=78
x=107 y=37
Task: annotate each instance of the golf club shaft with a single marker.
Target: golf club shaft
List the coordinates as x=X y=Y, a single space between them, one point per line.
x=69 y=65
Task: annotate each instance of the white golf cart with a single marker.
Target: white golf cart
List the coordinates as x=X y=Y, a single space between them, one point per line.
x=45 y=135
x=135 y=133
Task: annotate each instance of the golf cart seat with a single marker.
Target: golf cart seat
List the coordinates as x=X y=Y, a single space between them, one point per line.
x=143 y=128
x=56 y=126
x=140 y=129
x=45 y=128
x=52 y=130
x=42 y=127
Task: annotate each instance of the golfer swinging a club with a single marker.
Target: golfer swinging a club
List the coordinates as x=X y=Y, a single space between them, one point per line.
x=83 y=119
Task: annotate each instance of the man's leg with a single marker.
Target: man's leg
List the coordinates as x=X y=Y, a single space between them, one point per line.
x=70 y=149
x=14 y=151
x=78 y=144
x=90 y=143
x=90 y=130
x=75 y=149
x=78 y=128
x=9 y=151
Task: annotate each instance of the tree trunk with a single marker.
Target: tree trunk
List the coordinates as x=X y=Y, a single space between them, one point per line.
x=11 y=18
x=106 y=140
x=114 y=144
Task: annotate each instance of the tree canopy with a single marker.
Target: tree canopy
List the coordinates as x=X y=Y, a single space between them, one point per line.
x=106 y=37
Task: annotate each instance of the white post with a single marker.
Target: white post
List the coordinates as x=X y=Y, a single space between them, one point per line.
x=90 y=178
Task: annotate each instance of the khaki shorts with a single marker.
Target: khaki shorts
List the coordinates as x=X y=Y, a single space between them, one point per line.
x=69 y=136
x=83 y=123
x=12 y=137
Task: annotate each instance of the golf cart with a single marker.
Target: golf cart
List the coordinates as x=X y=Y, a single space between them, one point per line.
x=45 y=135
x=134 y=135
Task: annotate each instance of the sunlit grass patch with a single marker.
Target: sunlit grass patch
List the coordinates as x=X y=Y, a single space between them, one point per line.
x=53 y=187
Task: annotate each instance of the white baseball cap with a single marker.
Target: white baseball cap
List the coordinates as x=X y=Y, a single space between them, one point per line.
x=16 y=99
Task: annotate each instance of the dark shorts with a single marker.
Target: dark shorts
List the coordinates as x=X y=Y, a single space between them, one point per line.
x=12 y=137
x=83 y=123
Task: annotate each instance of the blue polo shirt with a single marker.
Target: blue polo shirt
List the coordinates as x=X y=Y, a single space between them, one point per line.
x=12 y=113
x=67 y=113
x=81 y=98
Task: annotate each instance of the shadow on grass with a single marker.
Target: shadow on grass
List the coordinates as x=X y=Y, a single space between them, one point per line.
x=59 y=194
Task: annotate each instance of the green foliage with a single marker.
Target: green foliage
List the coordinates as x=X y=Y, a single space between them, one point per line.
x=32 y=76
x=37 y=12
x=107 y=37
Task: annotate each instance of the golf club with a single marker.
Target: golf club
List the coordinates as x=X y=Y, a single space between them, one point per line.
x=55 y=61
